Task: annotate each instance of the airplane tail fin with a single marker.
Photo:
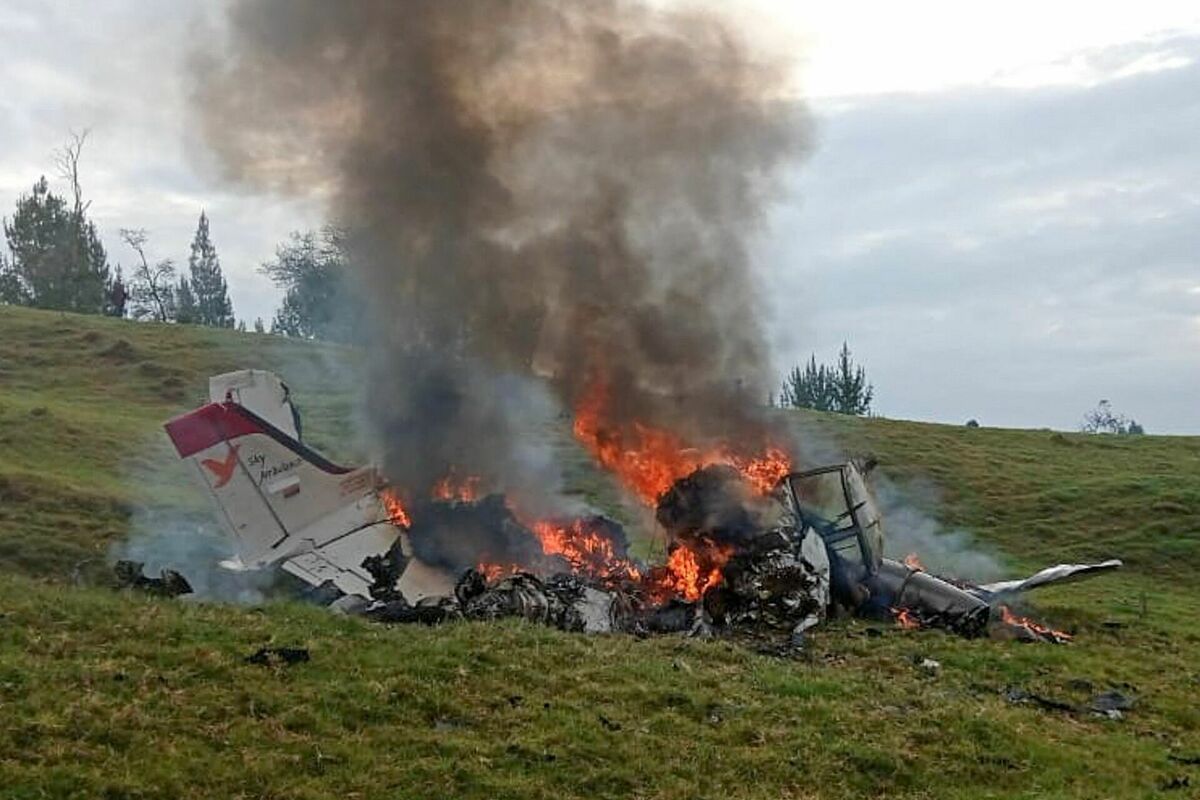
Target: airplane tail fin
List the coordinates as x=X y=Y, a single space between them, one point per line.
x=280 y=499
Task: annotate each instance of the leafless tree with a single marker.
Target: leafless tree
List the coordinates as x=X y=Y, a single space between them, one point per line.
x=66 y=161
x=1102 y=419
x=152 y=287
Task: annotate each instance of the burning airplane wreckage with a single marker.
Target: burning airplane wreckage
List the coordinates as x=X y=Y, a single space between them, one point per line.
x=754 y=546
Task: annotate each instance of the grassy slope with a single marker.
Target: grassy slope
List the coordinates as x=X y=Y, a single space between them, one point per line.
x=107 y=694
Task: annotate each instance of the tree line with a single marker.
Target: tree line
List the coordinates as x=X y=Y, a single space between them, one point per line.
x=841 y=387
x=57 y=261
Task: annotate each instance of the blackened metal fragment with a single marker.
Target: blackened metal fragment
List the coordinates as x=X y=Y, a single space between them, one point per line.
x=169 y=583
x=276 y=656
x=426 y=611
x=386 y=570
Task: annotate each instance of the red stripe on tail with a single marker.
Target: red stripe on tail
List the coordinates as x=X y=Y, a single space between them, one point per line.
x=201 y=429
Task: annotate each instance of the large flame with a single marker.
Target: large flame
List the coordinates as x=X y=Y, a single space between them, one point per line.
x=692 y=569
x=585 y=549
x=649 y=460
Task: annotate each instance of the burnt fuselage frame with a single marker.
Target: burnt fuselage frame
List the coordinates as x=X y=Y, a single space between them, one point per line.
x=835 y=535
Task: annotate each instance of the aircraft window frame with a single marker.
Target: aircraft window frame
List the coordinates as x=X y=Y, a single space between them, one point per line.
x=836 y=538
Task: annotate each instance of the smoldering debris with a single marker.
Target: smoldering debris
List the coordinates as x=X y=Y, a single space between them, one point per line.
x=713 y=503
x=459 y=535
x=169 y=583
x=771 y=583
x=164 y=538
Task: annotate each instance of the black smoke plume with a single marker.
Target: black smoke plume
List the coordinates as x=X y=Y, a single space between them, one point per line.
x=554 y=188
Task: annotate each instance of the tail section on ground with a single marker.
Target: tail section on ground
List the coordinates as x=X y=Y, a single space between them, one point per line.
x=283 y=502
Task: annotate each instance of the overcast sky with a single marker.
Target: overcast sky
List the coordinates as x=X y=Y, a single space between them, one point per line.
x=1001 y=215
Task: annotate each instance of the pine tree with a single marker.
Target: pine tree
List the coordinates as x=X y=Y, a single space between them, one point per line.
x=851 y=392
x=207 y=282
x=11 y=292
x=186 y=312
x=842 y=388
x=810 y=387
x=312 y=269
x=58 y=260
x=259 y=327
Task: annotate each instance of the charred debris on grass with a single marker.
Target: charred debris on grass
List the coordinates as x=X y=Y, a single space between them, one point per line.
x=767 y=567
x=738 y=563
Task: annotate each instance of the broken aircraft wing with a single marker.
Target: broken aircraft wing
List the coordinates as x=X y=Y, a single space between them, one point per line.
x=1061 y=573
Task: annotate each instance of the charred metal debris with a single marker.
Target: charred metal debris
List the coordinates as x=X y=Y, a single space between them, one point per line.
x=169 y=583
x=780 y=565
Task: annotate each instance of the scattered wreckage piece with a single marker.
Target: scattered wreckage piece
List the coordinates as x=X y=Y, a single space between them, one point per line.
x=1110 y=704
x=778 y=581
x=170 y=583
x=278 y=656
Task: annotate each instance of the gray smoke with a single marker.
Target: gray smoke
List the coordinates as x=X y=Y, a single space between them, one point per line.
x=554 y=188
x=909 y=528
x=169 y=538
x=908 y=508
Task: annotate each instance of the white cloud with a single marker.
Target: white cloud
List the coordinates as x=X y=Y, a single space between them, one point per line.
x=865 y=47
x=1005 y=254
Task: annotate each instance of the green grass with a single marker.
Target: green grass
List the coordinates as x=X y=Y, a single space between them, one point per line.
x=107 y=694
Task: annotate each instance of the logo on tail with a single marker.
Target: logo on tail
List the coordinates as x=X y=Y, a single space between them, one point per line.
x=222 y=470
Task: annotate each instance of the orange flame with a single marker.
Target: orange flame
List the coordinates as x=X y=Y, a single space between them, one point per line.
x=396 y=512
x=906 y=619
x=1034 y=628
x=913 y=562
x=451 y=487
x=494 y=572
x=691 y=570
x=649 y=460
x=585 y=550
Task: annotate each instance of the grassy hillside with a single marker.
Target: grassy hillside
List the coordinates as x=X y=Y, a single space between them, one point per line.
x=106 y=694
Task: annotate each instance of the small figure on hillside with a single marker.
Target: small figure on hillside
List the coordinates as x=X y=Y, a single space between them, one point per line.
x=118 y=296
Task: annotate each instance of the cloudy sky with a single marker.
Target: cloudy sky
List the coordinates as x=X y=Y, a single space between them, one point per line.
x=1001 y=214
